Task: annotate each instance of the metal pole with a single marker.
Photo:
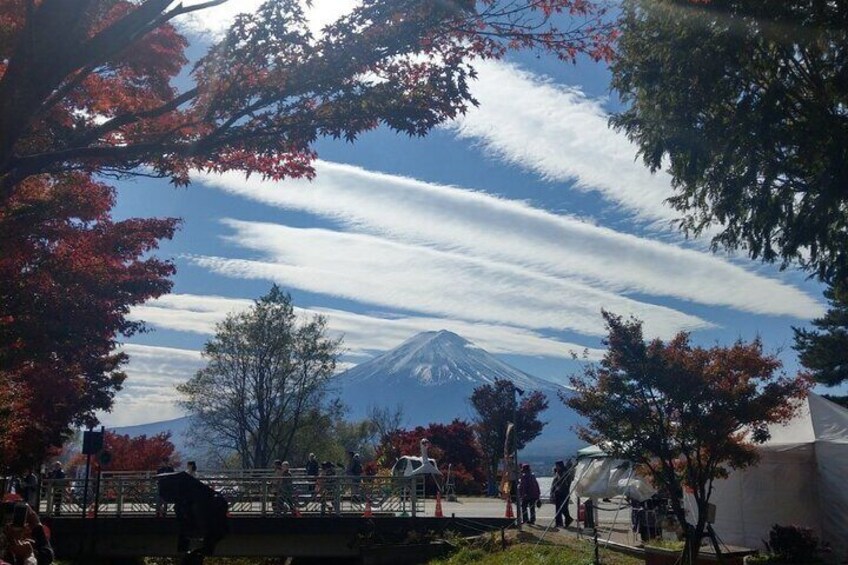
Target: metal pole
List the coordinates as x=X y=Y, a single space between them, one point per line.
x=519 y=513
x=97 y=492
x=85 y=486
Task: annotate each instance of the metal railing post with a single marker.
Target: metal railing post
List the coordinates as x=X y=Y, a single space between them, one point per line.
x=120 y=506
x=264 y=497
x=414 y=490
x=49 y=498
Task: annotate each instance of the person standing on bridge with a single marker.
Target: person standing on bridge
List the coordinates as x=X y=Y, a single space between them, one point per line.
x=57 y=475
x=284 y=501
x=161 y=505
x=312 y=469
x=354 y=471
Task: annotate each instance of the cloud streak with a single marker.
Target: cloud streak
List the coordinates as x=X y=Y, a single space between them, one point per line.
x=488 y=228
x=378 y=271
x=148 y=394
x=364 y=334
x=559 y=133
x=216 y=20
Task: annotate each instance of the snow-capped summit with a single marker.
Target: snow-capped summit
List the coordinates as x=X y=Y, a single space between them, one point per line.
x=432 y=375
x=438 y=358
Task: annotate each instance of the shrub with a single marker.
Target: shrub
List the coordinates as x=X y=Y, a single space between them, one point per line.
x=793 y=544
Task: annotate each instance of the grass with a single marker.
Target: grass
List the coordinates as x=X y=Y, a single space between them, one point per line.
x=526 y=552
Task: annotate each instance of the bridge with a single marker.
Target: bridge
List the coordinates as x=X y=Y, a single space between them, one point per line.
x=379 y=519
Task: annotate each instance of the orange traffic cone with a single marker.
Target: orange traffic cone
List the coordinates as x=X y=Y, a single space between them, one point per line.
x=439 y=505
x=509 y=513
x=368 y=513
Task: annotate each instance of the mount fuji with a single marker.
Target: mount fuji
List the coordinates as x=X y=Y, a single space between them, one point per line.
x=431 y=377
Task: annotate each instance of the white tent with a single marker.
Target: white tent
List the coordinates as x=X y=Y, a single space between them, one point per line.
x=801 y=479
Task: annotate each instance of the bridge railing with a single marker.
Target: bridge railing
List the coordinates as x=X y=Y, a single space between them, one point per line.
x=125 y=495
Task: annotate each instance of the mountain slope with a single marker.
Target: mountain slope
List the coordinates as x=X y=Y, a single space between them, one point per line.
x=432 y=375
x=437 y=359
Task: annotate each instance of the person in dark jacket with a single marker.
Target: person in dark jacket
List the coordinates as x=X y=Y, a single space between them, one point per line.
x=560 y=489
x=528 y=489
x=312 y=470
x=57 y=474
x=165 y=468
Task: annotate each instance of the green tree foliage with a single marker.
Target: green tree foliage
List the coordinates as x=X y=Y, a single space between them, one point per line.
x=746 y=102
x=496 y=406
x=685 y=414
x=824 y=350
x=265 y=380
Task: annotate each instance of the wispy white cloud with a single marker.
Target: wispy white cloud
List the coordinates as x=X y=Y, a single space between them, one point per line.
x=378 y=271
x=152 y=374
x=364 y=334
x=561 y=134
x=487 y=228
x=216 y=20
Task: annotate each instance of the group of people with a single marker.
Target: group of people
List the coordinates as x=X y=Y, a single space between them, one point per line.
x=321 y=484
x=531 y=496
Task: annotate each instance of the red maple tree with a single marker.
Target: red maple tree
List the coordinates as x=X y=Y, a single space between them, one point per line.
x=87 y=85
x=453 y=444
x=70 y=274
x=139 y=453
x=686 y=414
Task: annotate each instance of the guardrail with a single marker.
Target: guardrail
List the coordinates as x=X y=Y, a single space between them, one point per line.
x=136 y=494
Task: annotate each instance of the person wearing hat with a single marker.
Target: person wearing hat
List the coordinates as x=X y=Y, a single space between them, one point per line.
x=528 y=489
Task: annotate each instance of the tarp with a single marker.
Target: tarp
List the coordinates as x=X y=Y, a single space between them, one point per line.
x=801 y=479
x=599 y=476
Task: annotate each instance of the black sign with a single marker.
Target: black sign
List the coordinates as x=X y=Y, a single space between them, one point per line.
x=92 y=442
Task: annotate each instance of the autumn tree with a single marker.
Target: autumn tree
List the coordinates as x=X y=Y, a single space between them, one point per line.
x=824 y=350
x=87 y=85
x=69 y=277
x=266 y=375
x=453 y=444
x=138 y=453
x=746 y=103
x=496 y=406
x=685 y=414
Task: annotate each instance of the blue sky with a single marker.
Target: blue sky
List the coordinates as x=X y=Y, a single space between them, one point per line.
x=513 y=227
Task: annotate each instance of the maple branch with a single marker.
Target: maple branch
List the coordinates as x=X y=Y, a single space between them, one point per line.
x=125 y=119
